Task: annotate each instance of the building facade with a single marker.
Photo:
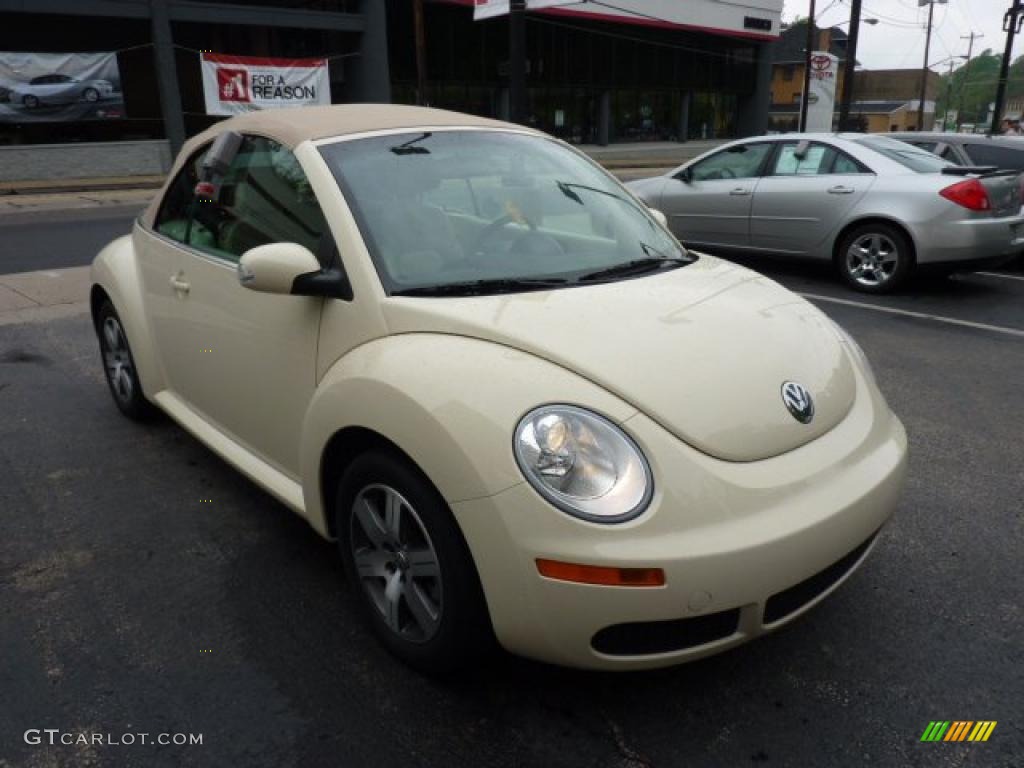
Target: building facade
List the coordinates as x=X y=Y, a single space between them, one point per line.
x=643 y=70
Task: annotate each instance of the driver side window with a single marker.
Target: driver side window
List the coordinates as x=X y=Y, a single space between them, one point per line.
x=741 y=162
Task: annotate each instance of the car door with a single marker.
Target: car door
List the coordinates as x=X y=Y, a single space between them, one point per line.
x=708 y=202
x=804 y=197
x=246 y=361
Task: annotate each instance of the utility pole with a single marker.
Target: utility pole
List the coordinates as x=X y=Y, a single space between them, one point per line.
x=807 y=68
x=421 y=53
x=924 y=67
x=517 y=61
x=849 y=65
x=949 y=94
x=967 y=74
x=1011 y=23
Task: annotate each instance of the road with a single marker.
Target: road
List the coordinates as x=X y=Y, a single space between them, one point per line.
x=147 y=587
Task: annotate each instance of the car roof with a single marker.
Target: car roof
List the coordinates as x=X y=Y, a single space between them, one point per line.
x=1006 y=141
x=293 y=126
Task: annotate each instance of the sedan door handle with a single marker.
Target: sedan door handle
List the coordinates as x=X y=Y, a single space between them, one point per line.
x=739 y=192
x=840 y=190
x=179 y=285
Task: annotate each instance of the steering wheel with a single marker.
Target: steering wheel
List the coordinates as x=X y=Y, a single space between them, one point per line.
x=726 y=173
x=532 y=243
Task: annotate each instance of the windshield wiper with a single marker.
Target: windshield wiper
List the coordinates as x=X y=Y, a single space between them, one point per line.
x=634 y=267
x=484 y=287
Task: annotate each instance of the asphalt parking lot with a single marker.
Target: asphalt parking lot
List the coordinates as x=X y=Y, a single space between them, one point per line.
x=147 y=587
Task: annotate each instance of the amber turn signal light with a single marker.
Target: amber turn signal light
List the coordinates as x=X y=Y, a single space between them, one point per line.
x=599 y=574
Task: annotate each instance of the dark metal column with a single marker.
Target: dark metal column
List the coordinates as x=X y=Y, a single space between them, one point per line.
x=849 y=67
x=752 y=119
x=368 y=75
x=604 y=119
x=517 y=60
x=167 y=76
x=684 y=115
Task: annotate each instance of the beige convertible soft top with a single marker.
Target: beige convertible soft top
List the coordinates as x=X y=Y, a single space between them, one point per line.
x=291 y=127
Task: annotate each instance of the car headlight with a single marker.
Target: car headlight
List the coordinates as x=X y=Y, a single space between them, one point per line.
x=583 y=464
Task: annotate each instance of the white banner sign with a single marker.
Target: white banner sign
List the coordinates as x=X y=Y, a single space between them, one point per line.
x=59 y=87
x=822 y=100
x=236 y=84
x=485 y=9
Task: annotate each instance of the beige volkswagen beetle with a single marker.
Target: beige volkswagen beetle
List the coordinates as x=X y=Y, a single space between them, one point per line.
x=524 y=411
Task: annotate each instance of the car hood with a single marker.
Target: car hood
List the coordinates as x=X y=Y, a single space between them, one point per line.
x=703 y=350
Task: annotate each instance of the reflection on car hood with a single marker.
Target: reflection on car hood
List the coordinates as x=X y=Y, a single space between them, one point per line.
x=703 y=350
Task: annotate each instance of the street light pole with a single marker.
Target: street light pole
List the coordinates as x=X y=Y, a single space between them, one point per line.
x=849 y=65
x=807 y=69
x=421 y=53
x=517 y=60
x=1011 y=23
x=967 y=74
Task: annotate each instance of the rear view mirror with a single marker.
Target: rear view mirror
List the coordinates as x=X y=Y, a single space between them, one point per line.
x=216 y=163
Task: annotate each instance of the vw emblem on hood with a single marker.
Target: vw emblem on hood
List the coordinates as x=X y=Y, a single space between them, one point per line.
x=798 y=401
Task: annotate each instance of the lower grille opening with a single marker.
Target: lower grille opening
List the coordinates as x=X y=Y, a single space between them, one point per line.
x=646 y=637
x=781 y=604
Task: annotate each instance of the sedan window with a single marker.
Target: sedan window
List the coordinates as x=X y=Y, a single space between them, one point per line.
x=908 y=156
x=743 y=161
x=1002 y=157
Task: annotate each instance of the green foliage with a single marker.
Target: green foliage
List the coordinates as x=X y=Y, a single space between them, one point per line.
x=972 y=91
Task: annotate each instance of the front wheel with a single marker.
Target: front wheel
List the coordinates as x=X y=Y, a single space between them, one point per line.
x=405 y=555
x=875 y=258
x=30 y=102
x=119 y=365
x=91 y=94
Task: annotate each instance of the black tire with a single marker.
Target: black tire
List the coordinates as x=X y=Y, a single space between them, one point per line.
x=461 y=636
x=30 y=102
x=91 y=95
x=119 y=366
x=875 y=257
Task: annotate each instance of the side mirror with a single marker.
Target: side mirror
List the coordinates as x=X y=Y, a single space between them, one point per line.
x=659 y=216
x=276 y=267
x=685 y=175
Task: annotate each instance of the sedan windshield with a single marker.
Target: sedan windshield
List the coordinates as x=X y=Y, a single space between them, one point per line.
x=907 y=155
x=470 y=212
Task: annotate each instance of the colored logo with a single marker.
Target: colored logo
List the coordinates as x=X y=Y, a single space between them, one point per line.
x=233 y=84
x=958 y=730
x=798 y=401
x=821 y=62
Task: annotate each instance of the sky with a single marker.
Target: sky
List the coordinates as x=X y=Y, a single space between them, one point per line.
x=898 y=40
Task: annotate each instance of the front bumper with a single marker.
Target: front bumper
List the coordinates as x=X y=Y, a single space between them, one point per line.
x=970 y=240
x=743 y=546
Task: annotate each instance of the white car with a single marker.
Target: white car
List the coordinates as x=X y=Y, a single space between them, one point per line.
x=468 y=354
x=58 y=89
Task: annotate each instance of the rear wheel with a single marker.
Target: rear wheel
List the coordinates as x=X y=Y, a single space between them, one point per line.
x=406 y=557
x=875 y=258
x=91 y=94
x=119 y=365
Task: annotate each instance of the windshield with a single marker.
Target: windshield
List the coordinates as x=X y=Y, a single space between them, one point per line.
x=907 y=155
x=493 y=211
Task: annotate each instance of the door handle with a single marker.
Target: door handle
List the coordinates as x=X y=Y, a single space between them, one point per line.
x=739 y=192
x=179 y=285
x=840 y=190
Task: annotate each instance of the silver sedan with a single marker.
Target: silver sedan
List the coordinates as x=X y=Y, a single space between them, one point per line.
x=876 y=207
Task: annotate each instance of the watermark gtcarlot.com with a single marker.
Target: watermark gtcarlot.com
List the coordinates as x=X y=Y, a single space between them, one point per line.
x=55 y=736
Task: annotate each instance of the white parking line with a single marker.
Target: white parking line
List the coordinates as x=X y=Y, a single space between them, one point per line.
x=919 y=315
x=1001 y=274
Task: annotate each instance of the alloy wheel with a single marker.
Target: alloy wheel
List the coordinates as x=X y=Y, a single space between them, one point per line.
x=117 y=360
x=396 y=563
x=872 y=259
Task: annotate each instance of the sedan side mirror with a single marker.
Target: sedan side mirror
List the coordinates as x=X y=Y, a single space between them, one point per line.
x=276 y=267
x=685 y=175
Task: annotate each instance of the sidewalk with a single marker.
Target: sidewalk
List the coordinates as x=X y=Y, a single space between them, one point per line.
x=40 y=296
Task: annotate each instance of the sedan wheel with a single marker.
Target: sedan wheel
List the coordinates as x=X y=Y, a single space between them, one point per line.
x=91 y=94
x=874 y=258
x=119 y=365
x=414 y=575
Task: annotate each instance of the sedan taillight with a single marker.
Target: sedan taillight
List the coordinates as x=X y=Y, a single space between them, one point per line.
x=970 y=193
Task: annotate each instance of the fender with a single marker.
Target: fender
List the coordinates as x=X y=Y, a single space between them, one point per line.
x=451 y=403
x=115 y=270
